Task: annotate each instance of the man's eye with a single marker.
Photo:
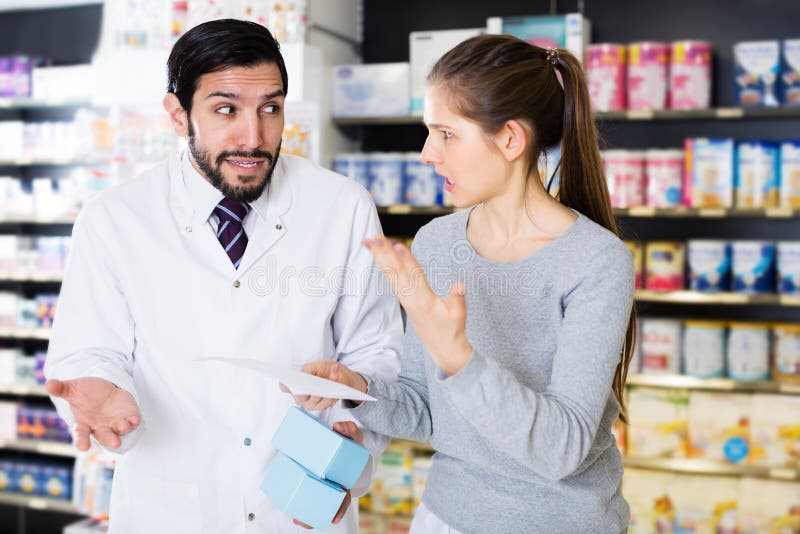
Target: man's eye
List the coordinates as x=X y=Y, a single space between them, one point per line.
x=272 y=108
x=225 y=110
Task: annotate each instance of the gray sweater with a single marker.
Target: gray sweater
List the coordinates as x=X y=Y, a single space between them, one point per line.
x=522 y=433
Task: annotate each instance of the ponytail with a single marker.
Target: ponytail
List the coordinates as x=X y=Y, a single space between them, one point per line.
x=492 y=79
x=582 y=183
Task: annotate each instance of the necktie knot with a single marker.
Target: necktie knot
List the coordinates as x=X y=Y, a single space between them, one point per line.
x=231 y=210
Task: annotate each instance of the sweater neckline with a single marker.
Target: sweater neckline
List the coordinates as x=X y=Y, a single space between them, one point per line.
x=463 y=249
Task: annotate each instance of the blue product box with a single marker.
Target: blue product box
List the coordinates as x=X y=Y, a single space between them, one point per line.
x=386 y=178
x=709 y=265
x=753 y=267
x=28 y=479
x=571 y=31
x=757 y=70
x=300 y=494
x=790 y=73
x=422 y=187
x=328 y=455
x=56 y=482
x=6 y=475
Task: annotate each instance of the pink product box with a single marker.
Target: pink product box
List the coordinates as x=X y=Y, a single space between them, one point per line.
x=690 y=75
x=647 y=75
x=625 y=177
x=605 y=74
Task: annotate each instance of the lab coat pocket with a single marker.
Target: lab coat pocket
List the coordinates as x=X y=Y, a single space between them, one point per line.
x=163 y=505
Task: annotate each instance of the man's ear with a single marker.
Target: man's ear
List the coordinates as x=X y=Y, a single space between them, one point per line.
x=177 y=115
x=512 y=140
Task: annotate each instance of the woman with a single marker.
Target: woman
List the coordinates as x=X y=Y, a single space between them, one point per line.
x=517 y=375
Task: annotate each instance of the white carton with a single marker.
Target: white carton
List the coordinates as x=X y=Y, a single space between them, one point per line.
x=425 y=49
x=377 y=89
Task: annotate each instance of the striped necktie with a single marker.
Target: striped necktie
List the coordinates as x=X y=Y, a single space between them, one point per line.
x=230 y=232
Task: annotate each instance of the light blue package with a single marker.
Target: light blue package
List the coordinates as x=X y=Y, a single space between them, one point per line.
x=328 y=455
x=709 y=265
x=422 y=186
x=301 y=495
x=790 y=52
x=757 y=170
x=789 y=267
x=386 y=178
x=757 y=68
x=753 y=267
x=355 y=165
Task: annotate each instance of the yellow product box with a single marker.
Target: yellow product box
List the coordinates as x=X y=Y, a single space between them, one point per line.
x=786 y=366
x=392 y=490
x=658 y=423
x=719 y=426
x=775 y=431
x=638 y=261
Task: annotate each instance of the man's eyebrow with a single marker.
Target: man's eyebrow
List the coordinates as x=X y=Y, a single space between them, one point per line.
x=234 y=96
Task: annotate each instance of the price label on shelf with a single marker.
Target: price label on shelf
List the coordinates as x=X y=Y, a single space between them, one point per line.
x=783 y=473
x=400 y=209
x=640 y=114
x=711 y=212
x=729 y=113
x=780 y=212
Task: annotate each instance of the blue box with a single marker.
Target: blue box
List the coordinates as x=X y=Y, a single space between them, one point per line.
x=757 y=68
x=300 y=494
x=307 y=441
x=790 y=74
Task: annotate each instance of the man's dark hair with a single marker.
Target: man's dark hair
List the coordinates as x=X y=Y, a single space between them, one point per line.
x=217 y=45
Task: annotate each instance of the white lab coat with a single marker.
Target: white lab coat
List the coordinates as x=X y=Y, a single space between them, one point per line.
x=149 y=290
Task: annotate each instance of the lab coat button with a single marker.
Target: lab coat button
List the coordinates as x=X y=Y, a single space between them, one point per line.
x=251 y=516
x=236 y=283
x=247 y=442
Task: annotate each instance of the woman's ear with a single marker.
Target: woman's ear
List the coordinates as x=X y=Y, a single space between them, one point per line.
x=512 y=140
x=177 y=115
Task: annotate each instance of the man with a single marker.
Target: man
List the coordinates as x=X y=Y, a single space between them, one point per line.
x=226 y=251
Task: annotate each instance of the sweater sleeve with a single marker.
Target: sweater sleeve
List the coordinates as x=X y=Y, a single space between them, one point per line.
x=552 y=431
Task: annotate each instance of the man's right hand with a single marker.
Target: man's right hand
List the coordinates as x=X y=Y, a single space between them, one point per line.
x=99 y=408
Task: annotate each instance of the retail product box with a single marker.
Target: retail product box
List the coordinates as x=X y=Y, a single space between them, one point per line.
x=709 y=176
x=719 y=426
x=392 y=487
x=658 y=423
x=319 y=449
x=790 y=71
x=64 y=83
x=425 y=50
x=775 y=431
x=571 y=31
x=377 y=89
x=757 y=68
x=300 y=494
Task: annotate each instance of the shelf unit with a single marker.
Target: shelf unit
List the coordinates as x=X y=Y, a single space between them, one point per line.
x=30 y=277
x=49 y=162
x=51 y=448
x=38 y=503
x=712 y=384
x=636 y=212
x=25 y=333
x=724 y=113
x=23 y=390
x=34 y=221
x=40 y=103
x=724 y=298
x=705 y=467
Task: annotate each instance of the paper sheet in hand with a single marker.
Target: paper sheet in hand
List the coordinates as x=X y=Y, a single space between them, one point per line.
x=298 y=382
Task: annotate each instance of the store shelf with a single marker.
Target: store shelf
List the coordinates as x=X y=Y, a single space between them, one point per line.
x=23 y=390
x=373 y=121
x=19 y=5
x=700 y=114
x=37 y=221
x=50 y=162
x=25 y=333
x=706 y=467
x=696 y=297
x=711 y=384
x=41 y=103
x=38 y=503
x=29 y=277
x=787 y=112
x=51 y=448
x=709 y=213
x=405 y=209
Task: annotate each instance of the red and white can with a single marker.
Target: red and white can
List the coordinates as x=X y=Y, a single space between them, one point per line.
x=625 y=177
x=647 y=75
x=690 y=75
x=605 y=75
x=664 y=178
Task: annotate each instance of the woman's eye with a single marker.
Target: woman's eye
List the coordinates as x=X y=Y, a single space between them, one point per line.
x=446 y=134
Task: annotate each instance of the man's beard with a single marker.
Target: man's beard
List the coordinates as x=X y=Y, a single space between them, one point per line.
x=213 y=171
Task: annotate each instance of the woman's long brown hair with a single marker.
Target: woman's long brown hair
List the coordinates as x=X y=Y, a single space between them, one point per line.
x=496 y=78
